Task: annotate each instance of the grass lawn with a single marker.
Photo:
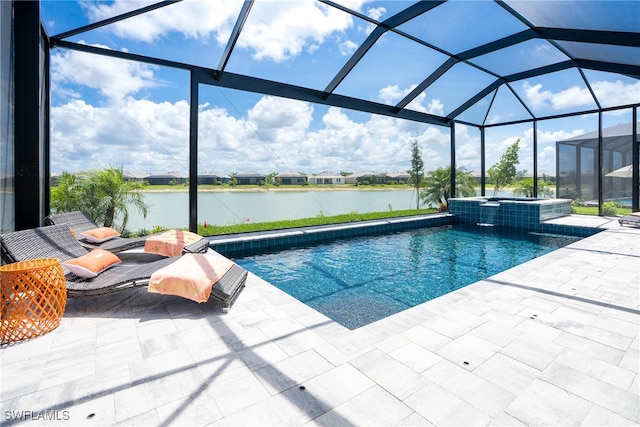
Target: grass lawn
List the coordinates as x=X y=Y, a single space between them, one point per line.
x=593 y=210
x=215 y=230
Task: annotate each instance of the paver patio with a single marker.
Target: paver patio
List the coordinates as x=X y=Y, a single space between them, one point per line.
x=553 y=341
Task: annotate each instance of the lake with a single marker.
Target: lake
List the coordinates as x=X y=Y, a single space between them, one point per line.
x=171 y=209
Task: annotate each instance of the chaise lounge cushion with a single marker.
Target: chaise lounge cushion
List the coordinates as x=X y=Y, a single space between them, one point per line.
x=91 y=264
x=192 y=276
x=171 y=243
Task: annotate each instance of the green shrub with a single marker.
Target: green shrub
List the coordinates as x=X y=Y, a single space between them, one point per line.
x=610 y=208
x=139 y=233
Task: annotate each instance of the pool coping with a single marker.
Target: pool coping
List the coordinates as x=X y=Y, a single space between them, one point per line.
x=243 y=244
x=251 y=243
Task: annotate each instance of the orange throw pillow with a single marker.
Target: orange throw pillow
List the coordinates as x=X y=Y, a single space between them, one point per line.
x=91 y=264
x=99 y=235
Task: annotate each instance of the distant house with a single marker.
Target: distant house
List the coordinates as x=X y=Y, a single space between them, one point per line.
x=250 y=177
x=397 y=176
x=361 y=177
x=169 y=178
x=292 y=178
x=213 y=178
x=327 y=178
x=134 y=176
x=7 y=180
x=549 y=175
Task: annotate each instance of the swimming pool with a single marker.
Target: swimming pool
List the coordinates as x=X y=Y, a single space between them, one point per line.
x=624 y=202
x=361 y=280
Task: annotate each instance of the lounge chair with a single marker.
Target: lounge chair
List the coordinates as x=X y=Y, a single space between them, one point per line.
x=80 y=221
x=631 y=219
x=57 y=241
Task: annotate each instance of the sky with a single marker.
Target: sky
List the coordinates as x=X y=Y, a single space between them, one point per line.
x=111 y=112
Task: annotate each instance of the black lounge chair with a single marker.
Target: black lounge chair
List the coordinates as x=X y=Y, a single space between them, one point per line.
x=631 y=219
x=80 y=221
x=56 y=241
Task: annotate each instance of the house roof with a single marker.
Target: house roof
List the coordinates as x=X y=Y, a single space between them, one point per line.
x=327 y=174
x=398 y=175
x=250 y=174
x=363 y=174
x=134 y=175
x=615 y=137
x=170 y=174
x=290 y=174
x=622 y=129
x=212 y=175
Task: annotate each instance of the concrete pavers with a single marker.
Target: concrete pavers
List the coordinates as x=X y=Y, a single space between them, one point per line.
x=550 y=342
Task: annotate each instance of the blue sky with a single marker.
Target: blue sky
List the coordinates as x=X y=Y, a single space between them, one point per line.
x=113 y=112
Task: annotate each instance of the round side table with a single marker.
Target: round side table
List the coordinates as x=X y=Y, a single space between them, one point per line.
x=33 y=298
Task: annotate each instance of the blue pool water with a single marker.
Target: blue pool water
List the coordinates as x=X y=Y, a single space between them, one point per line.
x=625 y=202
x=361 y=280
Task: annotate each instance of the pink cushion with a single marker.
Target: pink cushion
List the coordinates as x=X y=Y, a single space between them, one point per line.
x=170 y=243
x=192 y=276
x=99 y=235
x=91 y=264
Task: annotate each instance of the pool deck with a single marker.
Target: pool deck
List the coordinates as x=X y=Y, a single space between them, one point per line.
x=553 y=341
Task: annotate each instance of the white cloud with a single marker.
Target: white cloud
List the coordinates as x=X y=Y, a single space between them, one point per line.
x=571 y=97
x=184 y=17
x=274 y=134
x=280 y=30
x=115 y=78
x=617 y=93
x=391 y=95
x=536 y=96
x=145 y=136
x=435 y=107
x=347 y=47
x=137 y=135
x=607 y=92
x=280 y=119
x=495 y=119
x=275 y=30
x=376 y=12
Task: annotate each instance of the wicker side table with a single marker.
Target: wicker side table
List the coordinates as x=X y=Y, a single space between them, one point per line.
x=34 y=296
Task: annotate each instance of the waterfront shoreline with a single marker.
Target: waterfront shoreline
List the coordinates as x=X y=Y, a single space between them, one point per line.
x=277 y=189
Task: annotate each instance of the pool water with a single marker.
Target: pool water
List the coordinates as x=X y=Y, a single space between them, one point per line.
x=361 y=280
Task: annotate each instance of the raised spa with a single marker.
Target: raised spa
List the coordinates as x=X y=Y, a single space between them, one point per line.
x=508 y=212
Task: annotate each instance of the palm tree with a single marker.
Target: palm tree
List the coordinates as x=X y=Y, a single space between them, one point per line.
x=437 y=188
x=68 y=194
x=104 y=194
x=524 y=187
x=111 y=196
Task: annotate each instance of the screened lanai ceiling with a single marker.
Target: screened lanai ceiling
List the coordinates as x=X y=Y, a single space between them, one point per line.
x=484 y=63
